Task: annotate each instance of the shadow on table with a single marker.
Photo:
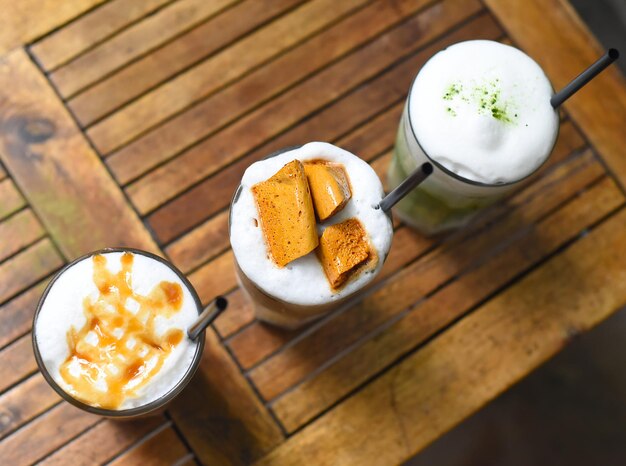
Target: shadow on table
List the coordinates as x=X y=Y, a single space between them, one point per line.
x=571 y=411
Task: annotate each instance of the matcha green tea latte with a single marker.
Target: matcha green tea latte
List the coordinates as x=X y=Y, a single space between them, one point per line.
x=480 y=112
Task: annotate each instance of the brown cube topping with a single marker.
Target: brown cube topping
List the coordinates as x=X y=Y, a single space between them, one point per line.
x=330 y=187
x=286 y=214
x=343 y=248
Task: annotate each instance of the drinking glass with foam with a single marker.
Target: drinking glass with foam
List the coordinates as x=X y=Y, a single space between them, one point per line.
x=480 y=112
x=299 y=292
x=110 y=332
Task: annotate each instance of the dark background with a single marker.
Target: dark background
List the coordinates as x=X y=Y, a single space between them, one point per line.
x=572 y=411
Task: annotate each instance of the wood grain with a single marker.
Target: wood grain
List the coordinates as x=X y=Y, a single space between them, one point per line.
x=240 y=314
x=103 y=442
x=229 y=430
x=19 y=231
x=20 y=404
x=412 y=284
x=216 y=72
x=200 y=244
x=249 y=136
x=26 y=20
x=35 y=441
x=90 y=29
x=327 y=387
x=149 y=71
x=16 y=316
x=435 y=388
x=133 y=42
x=28 y=267
x=64 y=180
x=600 y=107
x=10 y=198
x=16 y=362
x=215 y=278
x=267 y=81
x=165 y=448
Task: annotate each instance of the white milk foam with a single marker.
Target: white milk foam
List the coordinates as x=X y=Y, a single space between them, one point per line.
x=63 y=308
x=482 y=110
x=303 y=281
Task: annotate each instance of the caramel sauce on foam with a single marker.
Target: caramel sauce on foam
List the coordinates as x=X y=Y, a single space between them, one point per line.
x=128 y=353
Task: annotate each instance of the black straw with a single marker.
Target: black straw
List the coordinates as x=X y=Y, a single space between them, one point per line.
x=406 y=186
x=208 y=315
x=583 y=78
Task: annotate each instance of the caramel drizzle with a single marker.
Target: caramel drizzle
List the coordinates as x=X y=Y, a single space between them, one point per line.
x=128 y=352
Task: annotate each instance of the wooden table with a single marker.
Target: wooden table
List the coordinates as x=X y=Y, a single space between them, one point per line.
x=130 y=123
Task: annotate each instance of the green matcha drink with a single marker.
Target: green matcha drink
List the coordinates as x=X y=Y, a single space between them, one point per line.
x=480 y=112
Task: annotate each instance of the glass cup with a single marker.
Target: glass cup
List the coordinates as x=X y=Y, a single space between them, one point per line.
x=276 y=311
x=153 y=407
x=446 y=200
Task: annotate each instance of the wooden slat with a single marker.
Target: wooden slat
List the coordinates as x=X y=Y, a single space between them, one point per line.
x=16 y=316
x=220 y=416
x=26 y=20
x=599 y=108
x=204 y=159
x=257 y=127
x=147 y=72
x=3 y=173
x=16 y=362
x=46 y=153
x=27 y=267
x=318 y=393
x=211 y=237
x=35 y=441
x=215 y=278
x=10 y=198
x=240 y=313
x=22 y=403
x=103 y=442
x=414 y=282
x=19 y=231
x=133 y=42
x=90 y=29
x=201 y=243
x=215 y=72
x=435 y=388
x=165 y=448
x=270 y=79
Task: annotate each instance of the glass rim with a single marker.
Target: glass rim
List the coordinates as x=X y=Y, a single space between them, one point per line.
x=137 y=410
x=450 y=172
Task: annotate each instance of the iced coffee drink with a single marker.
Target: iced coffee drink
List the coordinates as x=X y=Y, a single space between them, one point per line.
x=307 y=232
x=480 y=112
x=110 y=332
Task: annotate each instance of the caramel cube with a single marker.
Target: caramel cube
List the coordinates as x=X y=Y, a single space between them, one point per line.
x=286 y=214
x=329 y=187
x=343 y=248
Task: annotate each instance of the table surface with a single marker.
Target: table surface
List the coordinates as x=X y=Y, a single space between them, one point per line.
x=130 y=123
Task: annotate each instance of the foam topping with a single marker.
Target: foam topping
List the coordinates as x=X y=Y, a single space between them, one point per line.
x=482 y=109
x=303 y=280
